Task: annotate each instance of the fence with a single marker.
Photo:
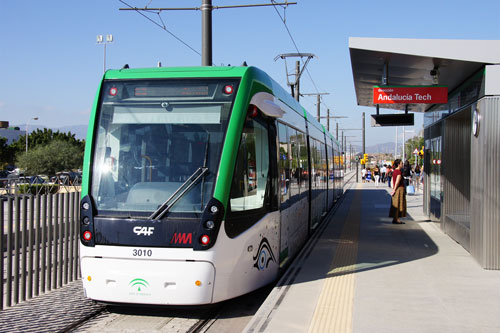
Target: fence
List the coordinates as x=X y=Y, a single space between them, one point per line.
x=39 y=244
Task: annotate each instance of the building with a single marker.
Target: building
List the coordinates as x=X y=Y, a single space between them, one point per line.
x=11 y=133
x=462 y=137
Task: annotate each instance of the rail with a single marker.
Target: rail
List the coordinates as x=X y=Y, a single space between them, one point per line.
x=39 y=244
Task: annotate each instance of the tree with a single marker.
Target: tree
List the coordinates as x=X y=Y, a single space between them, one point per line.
x=51 y=158
x=411 y=144
x=6 y=154
x=42 y=138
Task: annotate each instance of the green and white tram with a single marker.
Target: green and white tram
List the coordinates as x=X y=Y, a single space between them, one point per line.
x=200 y=184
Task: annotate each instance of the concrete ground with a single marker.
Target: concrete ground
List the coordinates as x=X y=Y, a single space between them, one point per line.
x=365 y=274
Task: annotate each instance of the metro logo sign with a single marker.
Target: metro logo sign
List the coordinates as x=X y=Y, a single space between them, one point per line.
x=182 y=238
x=410 y=95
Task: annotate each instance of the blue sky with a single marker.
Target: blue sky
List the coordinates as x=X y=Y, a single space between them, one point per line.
x=50 y=64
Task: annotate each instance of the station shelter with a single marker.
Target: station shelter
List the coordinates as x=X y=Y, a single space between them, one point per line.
x=462 y=135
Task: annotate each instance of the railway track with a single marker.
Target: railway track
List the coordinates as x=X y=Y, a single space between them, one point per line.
x=228 y=316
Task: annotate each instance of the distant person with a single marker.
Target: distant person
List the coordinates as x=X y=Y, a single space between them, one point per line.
x=406 y=173
x=417 y=176
x=389 y=175
x=368 y=175
x=363 y=174
x=383 y=173
x=376 y=174
x=398 y=194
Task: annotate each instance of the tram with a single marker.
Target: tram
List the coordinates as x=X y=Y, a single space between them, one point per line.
x=200 y=184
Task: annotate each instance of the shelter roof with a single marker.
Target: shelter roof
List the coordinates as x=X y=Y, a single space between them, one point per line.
x=410 y=62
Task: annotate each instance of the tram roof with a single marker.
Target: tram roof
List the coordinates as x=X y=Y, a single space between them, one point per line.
x=411 y=60
x=173 y=72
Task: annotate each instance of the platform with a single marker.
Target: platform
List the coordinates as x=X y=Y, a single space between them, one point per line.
x=361 y=273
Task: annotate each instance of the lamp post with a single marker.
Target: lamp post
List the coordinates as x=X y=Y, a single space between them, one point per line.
x=350 y=147
x=404 y=142
x=27 y=123
x=100 y=40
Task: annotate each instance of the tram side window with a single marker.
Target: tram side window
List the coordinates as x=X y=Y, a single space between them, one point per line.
x=303 y=164
x=294 y=166
x=331 y=169
x=314 y=165
x=324 y=167
x=284 y=169
x=250 y=181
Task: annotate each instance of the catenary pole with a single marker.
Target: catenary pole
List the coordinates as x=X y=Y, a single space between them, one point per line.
x=297 y=84
x=364 y=147
x=206 y=22
x=206 y=40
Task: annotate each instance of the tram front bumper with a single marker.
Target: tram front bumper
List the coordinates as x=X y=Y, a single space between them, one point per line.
x=165 y=282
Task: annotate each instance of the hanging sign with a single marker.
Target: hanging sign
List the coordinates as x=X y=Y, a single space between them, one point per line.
x=410 y=95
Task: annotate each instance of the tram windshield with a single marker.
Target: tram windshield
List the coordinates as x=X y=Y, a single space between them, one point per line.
x=151 y=136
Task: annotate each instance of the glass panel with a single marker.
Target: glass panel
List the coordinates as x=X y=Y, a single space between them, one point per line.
x=314 y=164
x=323 y=166
x=294 y=165
x=250 y=178
x=435 y=172
x=284 y=151
x=469 y=92
x=152 y=135
x=303 y=164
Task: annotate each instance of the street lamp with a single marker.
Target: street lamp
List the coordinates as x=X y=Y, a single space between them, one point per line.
x=100 y=40
x=27 y=123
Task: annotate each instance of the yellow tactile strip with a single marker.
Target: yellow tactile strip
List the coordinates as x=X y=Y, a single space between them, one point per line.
x=335 y=305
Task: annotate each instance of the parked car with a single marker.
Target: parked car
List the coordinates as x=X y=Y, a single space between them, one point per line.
x=67 y=178
x=3 y=178
x=37 y=180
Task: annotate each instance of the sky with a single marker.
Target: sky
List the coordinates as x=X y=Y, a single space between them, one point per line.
x=51 y=65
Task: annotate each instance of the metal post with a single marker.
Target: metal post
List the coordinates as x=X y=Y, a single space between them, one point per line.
x=364 y=146
x=337 y=135
x=350 y=155
x=27 y=123
x=342 y=152
x=318 y=107
x=10 y=225
x=357 y=172
x=297 y=82
x=328 y=120
x=29 y=246
x=396 y=144
x=2 y=256
x=345 y=153
x=404 y=152
x=104 y=62
x=206 y=33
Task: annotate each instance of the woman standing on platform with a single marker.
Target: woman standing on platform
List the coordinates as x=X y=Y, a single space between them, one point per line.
x=398 y=205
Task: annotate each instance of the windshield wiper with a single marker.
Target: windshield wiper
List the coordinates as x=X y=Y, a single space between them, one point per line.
x=186 y=186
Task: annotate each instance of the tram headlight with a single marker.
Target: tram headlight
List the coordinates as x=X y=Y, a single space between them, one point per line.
x=85 y=206
x=86 y=220
x=210 y=224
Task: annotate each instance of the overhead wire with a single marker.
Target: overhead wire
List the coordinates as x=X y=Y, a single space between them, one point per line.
x=283 y=20
x=162 y=27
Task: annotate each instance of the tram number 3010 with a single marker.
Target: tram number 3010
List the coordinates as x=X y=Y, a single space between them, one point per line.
x=142 y=253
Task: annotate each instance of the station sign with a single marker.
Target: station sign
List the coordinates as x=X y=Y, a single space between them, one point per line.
x=410 y=95
x=396 y=119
